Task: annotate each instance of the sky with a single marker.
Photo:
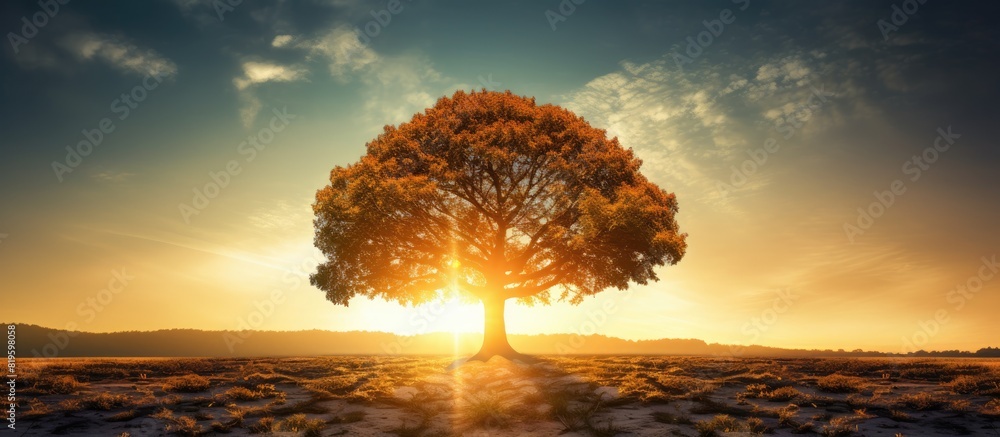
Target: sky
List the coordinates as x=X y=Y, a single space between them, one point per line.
x=835 y=163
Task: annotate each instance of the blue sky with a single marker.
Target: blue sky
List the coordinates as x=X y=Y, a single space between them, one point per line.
x=846 y=104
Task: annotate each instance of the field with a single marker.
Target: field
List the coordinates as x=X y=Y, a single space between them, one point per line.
x=565 y=395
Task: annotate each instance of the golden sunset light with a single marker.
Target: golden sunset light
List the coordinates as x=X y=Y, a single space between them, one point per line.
x=434 y=217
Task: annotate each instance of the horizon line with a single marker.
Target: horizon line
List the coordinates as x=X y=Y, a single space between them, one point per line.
x=706 y=343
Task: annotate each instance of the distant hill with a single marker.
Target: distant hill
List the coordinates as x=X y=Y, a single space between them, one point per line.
x=37 y=341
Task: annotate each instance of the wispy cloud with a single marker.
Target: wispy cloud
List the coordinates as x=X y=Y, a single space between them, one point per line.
x=691 y=127
x=197 y=245
x=112 y=176
x=256 y=73
x=393 y=86
x=261 y=72
x=281 y=216
x=119 y=53
x=343 y=51
x=281 y=40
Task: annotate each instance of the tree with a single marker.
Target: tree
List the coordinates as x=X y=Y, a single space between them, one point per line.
x=491 y=196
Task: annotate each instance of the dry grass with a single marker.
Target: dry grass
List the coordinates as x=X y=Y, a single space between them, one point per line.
x=488 y=410
x=840 y=427
x=842 y=384
x=189 y=383
x=265 y=425
x=51 y=385
x=684 y=386
x=36 y=408
x=123 y=416
x=725 y=424
x=919 y=402
x=163 y=414
x=983 y=385
x=106 y=401
x=260 y=391
x=639 y=387
x=900 y=416
x=299 y=423
x=787 y=416
x=372 y=389
x=780 y=394
x=991 y=408
x=333 y=385
x=185 y=426
x=574 y=394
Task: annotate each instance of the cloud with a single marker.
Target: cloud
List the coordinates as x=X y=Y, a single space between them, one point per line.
x=397 y=87
x=281 y=40
x=250 y=106
x=691 y=127
x=393 y=87
x=112 y=176
x=281 y=216
x=256 y=73
x=343 y=50
x=119 y=53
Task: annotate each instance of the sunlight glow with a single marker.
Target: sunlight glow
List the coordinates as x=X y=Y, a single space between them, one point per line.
x=458 y=317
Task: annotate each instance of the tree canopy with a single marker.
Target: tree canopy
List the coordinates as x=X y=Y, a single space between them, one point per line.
x=496 y=196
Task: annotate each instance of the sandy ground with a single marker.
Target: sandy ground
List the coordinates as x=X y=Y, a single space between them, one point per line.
x=568 y=396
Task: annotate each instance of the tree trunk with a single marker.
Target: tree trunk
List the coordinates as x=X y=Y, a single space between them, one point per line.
x=495 y=333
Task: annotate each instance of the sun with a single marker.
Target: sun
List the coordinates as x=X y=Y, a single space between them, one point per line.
x=458 y=317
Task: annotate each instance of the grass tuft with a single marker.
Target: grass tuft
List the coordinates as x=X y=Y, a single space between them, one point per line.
x=842 y=384
x=299 y=423
x=189 y=383
x=717 y=424
x=106 y=401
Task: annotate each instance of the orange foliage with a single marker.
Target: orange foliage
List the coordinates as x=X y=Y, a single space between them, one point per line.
x=497 y=196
